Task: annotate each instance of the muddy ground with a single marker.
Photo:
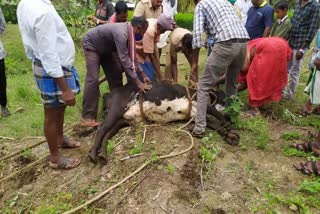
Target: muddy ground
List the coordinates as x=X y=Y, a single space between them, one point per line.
x=236 y=182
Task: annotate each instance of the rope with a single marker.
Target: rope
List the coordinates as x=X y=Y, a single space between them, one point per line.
x=131 y=175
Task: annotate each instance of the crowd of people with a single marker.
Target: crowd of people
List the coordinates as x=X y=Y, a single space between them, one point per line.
x=248 y=50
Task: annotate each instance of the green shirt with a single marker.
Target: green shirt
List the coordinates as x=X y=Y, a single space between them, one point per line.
x=281 y=28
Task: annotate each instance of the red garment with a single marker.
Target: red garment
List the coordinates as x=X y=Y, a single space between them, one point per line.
x=113 y=18
x=267 y=74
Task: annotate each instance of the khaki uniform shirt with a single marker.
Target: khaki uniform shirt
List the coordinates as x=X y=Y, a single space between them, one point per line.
x=144 y=8
x=175 y=40
x=149 y=40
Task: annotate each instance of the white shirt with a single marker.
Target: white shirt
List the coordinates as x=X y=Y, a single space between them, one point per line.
x=2 y=27
x=282 y=20
x=168 y=9
x=244 y=6
x=45 y=36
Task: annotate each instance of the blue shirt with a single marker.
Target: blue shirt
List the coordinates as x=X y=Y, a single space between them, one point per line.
x=258 y=19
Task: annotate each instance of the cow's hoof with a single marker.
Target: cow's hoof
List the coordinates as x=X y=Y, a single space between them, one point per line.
x=93 y=156
x=232 y=138
x=103 y=157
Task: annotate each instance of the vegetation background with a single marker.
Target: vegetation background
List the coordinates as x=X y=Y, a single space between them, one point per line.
x=23 y=94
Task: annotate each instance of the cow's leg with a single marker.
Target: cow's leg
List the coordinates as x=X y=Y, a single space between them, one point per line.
x=223 y=127
x=115 y=114
x=214 y=112
x=227 y=132
x=102 y=154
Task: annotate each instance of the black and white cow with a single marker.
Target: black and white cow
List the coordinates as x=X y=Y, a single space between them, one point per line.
x=164 y=103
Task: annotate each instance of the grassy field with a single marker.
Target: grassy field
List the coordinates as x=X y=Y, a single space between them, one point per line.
x=259 y=135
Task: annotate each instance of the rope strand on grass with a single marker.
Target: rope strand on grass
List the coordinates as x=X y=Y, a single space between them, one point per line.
x=131 y=175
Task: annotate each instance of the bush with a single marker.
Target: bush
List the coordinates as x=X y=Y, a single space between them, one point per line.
x=184 y=20
x=9 y=9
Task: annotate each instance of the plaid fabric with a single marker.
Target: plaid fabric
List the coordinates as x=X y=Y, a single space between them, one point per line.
x=305 y=23
x=50 y=91
x=218 y=19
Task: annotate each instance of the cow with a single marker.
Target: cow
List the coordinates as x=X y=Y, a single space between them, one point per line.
x=163 y=103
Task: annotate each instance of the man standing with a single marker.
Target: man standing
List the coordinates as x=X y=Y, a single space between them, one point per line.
x=50 y=47
x=113 y=47
x=3 y=81
x=260 y=19
x=217 y=18
x=305 y=23
x=170 y=7
x=121 y=14
x=148 y=9
x=104 y=10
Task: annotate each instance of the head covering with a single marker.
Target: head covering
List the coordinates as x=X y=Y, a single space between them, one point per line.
x=166 y=22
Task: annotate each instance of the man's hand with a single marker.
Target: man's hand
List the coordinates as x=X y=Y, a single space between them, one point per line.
x=317 y=63
x=146 y=80
x=299 y=55
x=68 y=97
x=141 y=86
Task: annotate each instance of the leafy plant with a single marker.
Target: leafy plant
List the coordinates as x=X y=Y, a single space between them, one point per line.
x=290 y=136
x=234 y=109
x=110 y=147
x=312 y=187
x=27 y=153
x=208 y=151
x=290 y=151
x=171 y=168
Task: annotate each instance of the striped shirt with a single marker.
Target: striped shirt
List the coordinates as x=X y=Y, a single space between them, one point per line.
x=219 y=19
x=305 y=23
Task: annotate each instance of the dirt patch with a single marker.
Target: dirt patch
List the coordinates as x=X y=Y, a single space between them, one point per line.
x=235 y=183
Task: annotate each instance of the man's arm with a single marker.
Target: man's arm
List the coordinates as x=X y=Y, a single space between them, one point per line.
x=173 y=59
x=198 y=24
x=155 y=60
x=312 y=31
x=121 y=40
x=45 y=32
x=194 y=69
x=268 y=21
x=315 y=22
x=2 y=22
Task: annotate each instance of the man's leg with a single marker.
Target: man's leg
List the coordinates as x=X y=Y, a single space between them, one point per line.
x=216 y=65
x=113 y=70
x=52 y=121
x=234 y=69
x=294 y=73
x=91 y=89
x=3 y=84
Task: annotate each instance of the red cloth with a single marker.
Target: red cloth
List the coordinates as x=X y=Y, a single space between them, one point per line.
x=267 y=74
x=113 y=18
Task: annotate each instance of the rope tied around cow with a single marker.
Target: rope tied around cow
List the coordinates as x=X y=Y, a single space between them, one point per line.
x=189 y=109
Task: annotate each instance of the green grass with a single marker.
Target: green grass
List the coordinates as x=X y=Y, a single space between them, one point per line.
x=22 y=92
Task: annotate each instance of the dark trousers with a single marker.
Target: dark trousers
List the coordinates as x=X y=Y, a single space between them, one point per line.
x=3 y=84
x=112 y=68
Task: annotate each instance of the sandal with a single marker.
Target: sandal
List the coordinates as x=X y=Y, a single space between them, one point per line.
x=65 y=163
x=69 y=143
x=89 y=122
x=308 y=168
x=198 y=135
x=308 y=147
